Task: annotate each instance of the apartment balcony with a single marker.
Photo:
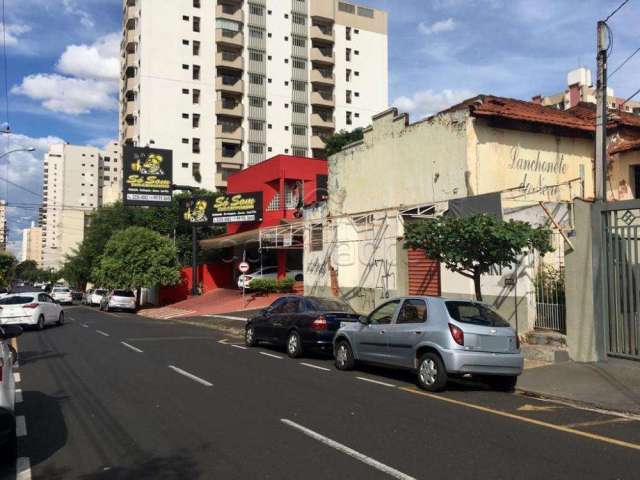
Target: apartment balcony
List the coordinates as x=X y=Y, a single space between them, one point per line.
x=131 y=12
x=230 y=11
x=229 y=109
x=323 y=99
x=132 y=59
x=322 y=55
x=131 y=109
x=132 y=36
x=130 y=131
x=229 y=37
x=230 y=133
x=322 y=76
x=226 y=83
x=323 y=121
x=317 y=142
x=229 y=60
x=236 y=159
x=321 y=33
x=131 y=83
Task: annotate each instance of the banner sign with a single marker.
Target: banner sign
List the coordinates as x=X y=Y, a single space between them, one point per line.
x=238 y=208
x=148 y=176
x=196 y=211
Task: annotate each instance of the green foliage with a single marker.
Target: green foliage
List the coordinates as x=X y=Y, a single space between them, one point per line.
x=472 y=246
x=27 y=271
x=137 y=257
x=340 y=139
x=271 y=285
x=7 y=267
x=549 y=284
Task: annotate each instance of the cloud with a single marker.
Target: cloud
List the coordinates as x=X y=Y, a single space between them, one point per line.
x=428 y=102
x=13 y=32
x=97 y=61
x=438 y=27
x=89 y=79
x=70 y=8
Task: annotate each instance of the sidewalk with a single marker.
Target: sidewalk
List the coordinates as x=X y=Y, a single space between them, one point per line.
x=611 y=385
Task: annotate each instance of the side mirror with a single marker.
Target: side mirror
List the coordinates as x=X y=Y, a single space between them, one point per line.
x=10 y=331
x=363 y=320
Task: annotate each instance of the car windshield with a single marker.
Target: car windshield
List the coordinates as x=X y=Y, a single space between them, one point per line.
x=17 y=300
x=58 y=290
x=123 y=293
x=330 y=305
x=100 y=292
x=476 y=314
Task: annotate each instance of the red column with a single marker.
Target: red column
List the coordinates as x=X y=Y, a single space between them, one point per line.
x=283 y=203
x=282 y=264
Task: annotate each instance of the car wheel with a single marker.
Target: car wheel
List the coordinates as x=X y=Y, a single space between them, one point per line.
x=294 y=345
x=9 y=451
x=250 y=337
x=432 y=376
x=61 y=319
x=502 y=383
x=106 y=307
x=344 y=356
x=40 y=324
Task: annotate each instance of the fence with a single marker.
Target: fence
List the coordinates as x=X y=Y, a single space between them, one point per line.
x=549 y=283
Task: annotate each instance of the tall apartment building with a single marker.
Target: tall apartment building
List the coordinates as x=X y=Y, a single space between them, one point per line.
x=580 y=89
x=32 y=244
x=3 y=225
x=77 y=180
x=228 y=83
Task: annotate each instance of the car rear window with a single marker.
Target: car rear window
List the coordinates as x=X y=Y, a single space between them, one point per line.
x=64 y=290
x=330 y=305
x=19 y=300
x=100 y=292
x=123 y=293
x=476 y=314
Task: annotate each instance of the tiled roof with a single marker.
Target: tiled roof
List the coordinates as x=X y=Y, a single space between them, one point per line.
x=587 y=111
x=499 y=107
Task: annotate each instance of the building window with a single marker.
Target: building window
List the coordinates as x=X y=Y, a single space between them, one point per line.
x=349 y=99
x=196 y=96
x=348 y=75
x=195 y=121
x=365 y=12
x=185 y=42
x=346 y=7
x=256 y=124
x=196 y=48
x=299 y=86
x=316 y=237
x=185 y=66
x=348 y=54
x=195 y=171
x=185 y=115
x=299 y=107
x=185 y=18
x=299 y=129
x=185 y=165
x=299 y=63
x=256 y=10
x=196 y=24
x=299 y=41
x=347 y=32
x=195 y=145
x=256 y=55
x=185 y=140
x=299 y=152
x=349 y=119
x=185 y=91
x=256 y=79
x=256 y=102
x=256 y=33
x=299 y=19
x=196 y=72
x=256 y=148
x=196 y=3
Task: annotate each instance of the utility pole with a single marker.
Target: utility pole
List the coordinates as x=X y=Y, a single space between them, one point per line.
x=194 y=260
x=601 y=115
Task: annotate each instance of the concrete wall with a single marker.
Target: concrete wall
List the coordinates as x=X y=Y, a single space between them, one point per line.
x=621 y=178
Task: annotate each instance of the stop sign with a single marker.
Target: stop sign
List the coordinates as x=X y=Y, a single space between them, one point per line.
x=243 y=267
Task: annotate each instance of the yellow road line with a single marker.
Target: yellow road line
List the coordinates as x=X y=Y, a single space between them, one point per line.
x=560 y=428
x=596 y=423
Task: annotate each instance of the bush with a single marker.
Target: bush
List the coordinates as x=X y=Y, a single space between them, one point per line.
x=271 y=285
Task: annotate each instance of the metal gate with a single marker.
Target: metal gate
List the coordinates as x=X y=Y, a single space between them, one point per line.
x=551 y=310
x=621 y=268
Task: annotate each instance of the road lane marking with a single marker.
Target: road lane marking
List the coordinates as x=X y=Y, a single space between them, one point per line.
x=349 y=451
x=84 y=325
x=271 y=355
x=23 y=468
x=18 y=395
x=16 y=377
x=104 y=334
x=238 y=346
x=176 y=315
x=131 y=347
x=377 y=382
x=577 y=406
x=162 y=339
x=21 y=426
x=191 y=376
x=596 y=423
x=533 y=421
x=536 y=408
x=311 y=365
x=227 y=317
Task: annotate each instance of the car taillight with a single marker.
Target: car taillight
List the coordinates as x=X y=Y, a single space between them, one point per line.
x=457 y=334
x=30 y=305
x=319 y=323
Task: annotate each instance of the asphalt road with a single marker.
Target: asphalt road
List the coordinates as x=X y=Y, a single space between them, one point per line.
x=116 y=396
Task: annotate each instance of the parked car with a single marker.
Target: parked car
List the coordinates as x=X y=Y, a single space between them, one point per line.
x=267 y=272
x=8 y=358
x=299 y=323
x=119 y=300
x=437 y=338
x=30 y=309
x=4 y=292
x=86 y=297
x=62 y=295
x=96 y=297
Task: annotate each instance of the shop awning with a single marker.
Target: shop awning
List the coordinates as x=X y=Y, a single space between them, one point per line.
x=231 y=240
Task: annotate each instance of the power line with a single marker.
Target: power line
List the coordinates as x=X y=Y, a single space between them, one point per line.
x=631 y=97
x=9 y=182
x=616 y=10
x=625 y=62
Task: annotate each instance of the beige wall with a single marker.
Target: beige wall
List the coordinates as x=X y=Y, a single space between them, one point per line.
x=32 y=245
x=621 y=179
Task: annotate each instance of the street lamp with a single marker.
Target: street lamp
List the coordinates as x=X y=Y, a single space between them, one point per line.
x=22 y=149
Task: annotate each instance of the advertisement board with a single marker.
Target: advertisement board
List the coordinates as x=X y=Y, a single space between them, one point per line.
x=196 y=211
x=238 y=208
x=148 y=176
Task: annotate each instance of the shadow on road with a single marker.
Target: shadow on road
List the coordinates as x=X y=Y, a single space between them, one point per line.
x=31 y=357
x=48 y=428
x=179 y=465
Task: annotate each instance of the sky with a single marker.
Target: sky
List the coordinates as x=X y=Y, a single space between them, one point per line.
x=63 y=67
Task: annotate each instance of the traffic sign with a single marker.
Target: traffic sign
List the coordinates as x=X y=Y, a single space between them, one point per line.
x=243 y=267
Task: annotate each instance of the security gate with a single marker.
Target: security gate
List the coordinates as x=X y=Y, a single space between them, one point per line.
x=621 y=269
x=551 y=309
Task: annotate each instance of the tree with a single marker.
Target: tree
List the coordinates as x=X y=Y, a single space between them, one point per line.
x=471 y=246
x=27 y=271
x=340 y=139
x=7 y=266
x=137 y=257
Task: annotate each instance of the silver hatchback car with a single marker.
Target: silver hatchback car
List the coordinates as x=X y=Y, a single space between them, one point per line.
x=438 y=338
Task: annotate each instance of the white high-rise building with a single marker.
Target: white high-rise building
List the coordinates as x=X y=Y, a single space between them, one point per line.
x=77 y=180
x=228 y=83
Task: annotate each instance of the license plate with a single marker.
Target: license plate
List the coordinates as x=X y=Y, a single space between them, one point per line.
x=495 y=344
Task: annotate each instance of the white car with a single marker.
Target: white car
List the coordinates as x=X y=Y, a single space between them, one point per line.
x=119 y=300
x=96 y=296
x=267 y=272
x=8 y=357
x=62 y=295
x=30 y=309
